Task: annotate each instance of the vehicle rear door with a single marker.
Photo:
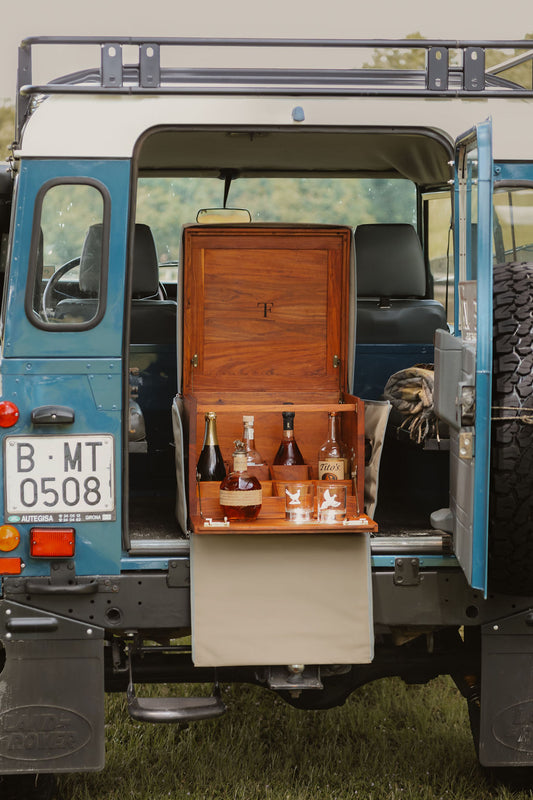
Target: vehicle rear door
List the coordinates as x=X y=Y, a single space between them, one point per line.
x=464 y=359
x=62 y=358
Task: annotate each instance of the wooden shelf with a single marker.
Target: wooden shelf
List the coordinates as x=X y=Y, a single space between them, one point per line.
x=272 y=519
x=354 y=524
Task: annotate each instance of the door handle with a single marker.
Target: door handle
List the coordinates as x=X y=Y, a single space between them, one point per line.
x=52 y=415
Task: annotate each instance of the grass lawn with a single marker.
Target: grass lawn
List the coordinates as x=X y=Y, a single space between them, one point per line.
x=388 y=741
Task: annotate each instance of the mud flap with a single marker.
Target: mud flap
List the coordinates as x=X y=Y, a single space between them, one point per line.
x=506 y=729
x=51 y=693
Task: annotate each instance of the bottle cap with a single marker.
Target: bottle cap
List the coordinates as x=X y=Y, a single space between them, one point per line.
x=288 y=420
x=247 y=420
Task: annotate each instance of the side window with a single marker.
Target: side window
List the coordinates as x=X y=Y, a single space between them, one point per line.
x=69 y=254
x=439 y=244
x=513 y=223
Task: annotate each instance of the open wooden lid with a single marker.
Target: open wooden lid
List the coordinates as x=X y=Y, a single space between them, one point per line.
x=265 y=308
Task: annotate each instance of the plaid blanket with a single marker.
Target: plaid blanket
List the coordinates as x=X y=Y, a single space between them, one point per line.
x=410 y=391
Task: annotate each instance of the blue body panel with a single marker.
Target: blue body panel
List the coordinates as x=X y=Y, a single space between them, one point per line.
x=79 y=369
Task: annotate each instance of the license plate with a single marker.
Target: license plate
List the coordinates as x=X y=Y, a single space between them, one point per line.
x=59 y=478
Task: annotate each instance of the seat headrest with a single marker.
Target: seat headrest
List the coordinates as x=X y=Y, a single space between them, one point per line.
x=91 y=260
x=389 y=261
x=145 y=280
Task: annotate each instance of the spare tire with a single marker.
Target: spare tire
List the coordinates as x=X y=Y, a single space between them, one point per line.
x=511 y=471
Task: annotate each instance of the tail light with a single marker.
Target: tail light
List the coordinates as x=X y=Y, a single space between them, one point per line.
x=52 y=542
x=9 y=538
x=10 y=566
x=9 y=414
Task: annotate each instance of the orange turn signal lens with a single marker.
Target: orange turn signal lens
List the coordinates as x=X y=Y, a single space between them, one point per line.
x=10 y=566
x=9 y=414
x=52 y=542
x=9 y=538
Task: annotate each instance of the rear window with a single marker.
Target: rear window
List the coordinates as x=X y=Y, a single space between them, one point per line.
x=166 y=204
x=68 y=262
x=513 y=223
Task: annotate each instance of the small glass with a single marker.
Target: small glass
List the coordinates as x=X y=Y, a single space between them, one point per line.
x=331 y=501
x=299 y=501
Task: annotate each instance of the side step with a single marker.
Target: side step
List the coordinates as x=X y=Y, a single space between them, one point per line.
x=174 y=709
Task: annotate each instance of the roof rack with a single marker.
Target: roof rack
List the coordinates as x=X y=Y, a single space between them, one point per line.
x=451 y=68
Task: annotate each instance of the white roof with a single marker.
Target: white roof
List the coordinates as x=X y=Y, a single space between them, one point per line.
x=96 y=126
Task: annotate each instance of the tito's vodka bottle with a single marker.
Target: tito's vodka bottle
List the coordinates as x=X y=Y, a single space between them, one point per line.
x=333 y=455
x=253 y=458
x=288 y=452
x=241 y=495
x=210 y=465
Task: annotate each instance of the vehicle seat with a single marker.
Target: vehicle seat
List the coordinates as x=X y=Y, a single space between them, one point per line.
x=392 y=303
x=395 y=320
x=153 y=319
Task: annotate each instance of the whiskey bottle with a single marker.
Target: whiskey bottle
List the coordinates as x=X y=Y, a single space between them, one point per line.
x=253 y=457
x=333 y=455
x=241 y=494
x=288 y=452
x=210 y=465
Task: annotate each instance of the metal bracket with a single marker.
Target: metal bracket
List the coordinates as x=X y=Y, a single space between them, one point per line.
x=407 y=572
x=474 y=69
x=62 y=572
x=111 y=65
x=179 y=574
x=216 y=523
x=149 y=65
x=293 y=678
x=466 y=445
x=437 y=69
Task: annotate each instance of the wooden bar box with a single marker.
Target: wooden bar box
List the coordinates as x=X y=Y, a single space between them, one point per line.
x=266 y=323
x=266 y=328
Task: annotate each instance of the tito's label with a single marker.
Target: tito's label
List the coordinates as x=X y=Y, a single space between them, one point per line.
x=241 y=498
x=331 y=469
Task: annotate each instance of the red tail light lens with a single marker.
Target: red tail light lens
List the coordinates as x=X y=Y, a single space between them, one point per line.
x=9 y=414
x=10 y=566
x=52 y=542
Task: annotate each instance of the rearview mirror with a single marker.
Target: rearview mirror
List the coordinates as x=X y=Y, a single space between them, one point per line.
x=207 y=216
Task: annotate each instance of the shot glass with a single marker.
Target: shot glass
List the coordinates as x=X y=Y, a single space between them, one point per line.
x=331 y=502
x=299 y=501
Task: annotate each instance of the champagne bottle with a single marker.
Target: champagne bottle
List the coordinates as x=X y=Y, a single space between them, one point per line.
x=333 y=455
x=288 y=452
x=210 y=465
x=241 y=494
x=253 y=457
